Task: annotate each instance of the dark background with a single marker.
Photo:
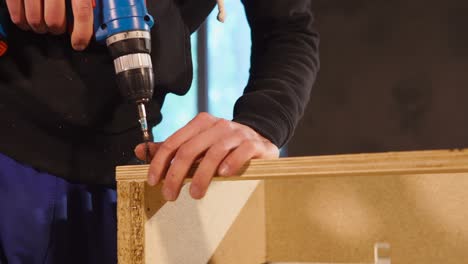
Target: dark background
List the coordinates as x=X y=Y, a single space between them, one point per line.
x=394 y=76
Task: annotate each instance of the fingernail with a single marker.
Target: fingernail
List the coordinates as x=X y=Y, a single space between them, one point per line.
x=79 y=47
x=168 y=195
x=223 y=169
x=152 y=179
x=195 y=191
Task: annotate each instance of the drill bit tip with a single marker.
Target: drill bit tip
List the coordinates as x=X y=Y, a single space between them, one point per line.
x=144 y=128
x=146 y=136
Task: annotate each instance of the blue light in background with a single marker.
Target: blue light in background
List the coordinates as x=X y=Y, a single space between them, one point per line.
x=177 y=110
x=229 y=49
x=228 y=58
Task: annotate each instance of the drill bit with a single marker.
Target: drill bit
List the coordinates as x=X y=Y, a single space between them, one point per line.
x=144 y=128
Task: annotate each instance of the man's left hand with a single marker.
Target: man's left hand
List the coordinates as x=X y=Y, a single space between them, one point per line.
x=221 y=146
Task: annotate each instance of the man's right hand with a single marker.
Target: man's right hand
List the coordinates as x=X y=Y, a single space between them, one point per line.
x=49 y=16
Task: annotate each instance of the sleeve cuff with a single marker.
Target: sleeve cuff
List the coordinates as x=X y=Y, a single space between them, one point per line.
x=272 y=129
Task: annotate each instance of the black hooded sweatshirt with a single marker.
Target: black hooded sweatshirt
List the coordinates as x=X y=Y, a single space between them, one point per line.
x=61 y=112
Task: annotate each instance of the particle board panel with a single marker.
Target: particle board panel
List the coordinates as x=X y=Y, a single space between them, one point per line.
x=131 y=220
x=318 y=209
x=424 y=218
x=151 y=230
x=245 y=242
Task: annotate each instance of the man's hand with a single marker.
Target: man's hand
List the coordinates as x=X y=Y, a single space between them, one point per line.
x=222 y=147
x=49 y=16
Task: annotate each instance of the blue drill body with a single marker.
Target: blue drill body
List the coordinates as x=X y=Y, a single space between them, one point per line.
x=110 y=17
x=117 y=16
x=125 y=25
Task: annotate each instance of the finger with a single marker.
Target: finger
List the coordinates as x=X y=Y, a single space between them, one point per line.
x=240 y=156
x=17 y=14
x=188 y=153
x=166 y=152
x=34 y=15
x=210 y=163
x=54 y=16
x=82 y=24
x=140 y=150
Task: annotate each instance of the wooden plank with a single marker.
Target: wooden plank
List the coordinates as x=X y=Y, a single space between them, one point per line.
x=390 y=163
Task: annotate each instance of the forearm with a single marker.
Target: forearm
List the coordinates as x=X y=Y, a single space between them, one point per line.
x=284 y=66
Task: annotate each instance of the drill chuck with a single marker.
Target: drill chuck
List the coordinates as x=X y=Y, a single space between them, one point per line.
x=134 y=70
x=132 y=62
x=136 y=84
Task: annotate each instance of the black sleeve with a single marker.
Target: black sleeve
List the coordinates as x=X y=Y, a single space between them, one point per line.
x=284 y=65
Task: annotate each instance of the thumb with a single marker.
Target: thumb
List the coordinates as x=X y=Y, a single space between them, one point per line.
x=140 y=150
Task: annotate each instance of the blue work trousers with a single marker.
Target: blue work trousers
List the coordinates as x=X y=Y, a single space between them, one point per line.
x=45 y=219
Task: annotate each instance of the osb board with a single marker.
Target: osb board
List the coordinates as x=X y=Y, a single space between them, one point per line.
x=245 y=242
x=423 y=217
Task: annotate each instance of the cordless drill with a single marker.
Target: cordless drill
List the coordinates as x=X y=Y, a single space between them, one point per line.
x=124 y=25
